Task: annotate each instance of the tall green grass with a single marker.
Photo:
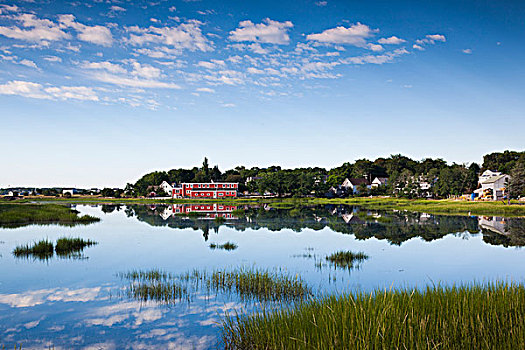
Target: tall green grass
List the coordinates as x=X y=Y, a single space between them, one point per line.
x=247 y=284
x=42 y=250
x=17 y=215
x=67 y=246
x=467 y=317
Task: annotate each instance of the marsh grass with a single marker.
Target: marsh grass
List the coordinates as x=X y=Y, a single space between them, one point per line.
x=346 y=259
x=72 y=247
x=42 y=250
x=225 y=246
x=466 y=317
x=18 y=215
x=247 y=284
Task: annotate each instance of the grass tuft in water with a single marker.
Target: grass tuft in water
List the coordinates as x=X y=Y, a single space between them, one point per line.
x=42 y=250
x=466 y=317
x=248 y=284
x=346 y=259
x=69 y=247
x=225 y=246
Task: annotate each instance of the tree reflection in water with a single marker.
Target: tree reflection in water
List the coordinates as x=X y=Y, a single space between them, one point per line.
x=394 y=226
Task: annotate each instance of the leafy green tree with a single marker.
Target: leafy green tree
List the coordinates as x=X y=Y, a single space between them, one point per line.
x=517 y=180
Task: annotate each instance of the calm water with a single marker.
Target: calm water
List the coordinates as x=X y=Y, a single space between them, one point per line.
x=82 y=303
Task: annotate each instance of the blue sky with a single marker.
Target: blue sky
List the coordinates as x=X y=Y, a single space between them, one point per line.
x=96 y=93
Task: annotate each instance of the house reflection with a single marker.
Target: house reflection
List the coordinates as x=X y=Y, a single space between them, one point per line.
x=496 y=224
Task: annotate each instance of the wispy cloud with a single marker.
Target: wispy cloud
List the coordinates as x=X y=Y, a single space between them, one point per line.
x=355 y=35
x=271 y=32
x=35 y=90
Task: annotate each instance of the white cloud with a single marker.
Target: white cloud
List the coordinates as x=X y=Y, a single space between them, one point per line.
x=145 y=71
x=467 y=51
x=134 y=82
x=272 y=32
x=184 y=36
x=437 y=37
x=355 y=35
x=25 y=89
x=375 y=47
x=431 y=39
x=108 y=66
x=172 y=9
x=36 y=30
x=211 y=64
x=418 y=47
x=72 y=92
x=8 y=8
x=211 y=91
x=117 y=9
x=98 y=35
x=28 y=63
x=374 y=59
x=393 y=40
x=53 y=59
x=35 y=90
x=228 y=105
x=321 y=3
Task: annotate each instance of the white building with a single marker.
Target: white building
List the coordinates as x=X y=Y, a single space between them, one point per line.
x=379 y=181
x=352 y=185
x=487 y=174
x=166 y=187
x=496 y=185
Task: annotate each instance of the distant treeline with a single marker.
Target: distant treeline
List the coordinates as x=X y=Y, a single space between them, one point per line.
x=405 y=176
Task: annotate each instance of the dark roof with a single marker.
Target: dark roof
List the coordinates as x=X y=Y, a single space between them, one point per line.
x=358 y=181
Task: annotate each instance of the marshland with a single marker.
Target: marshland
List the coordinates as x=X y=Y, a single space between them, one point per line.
x=153 y=278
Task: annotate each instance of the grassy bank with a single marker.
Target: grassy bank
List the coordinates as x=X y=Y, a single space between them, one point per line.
x=17 y=215
x=468 y=317
x=442 y=207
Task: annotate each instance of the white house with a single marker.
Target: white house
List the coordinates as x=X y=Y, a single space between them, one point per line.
x=487 y=174
x=353 y=184
x=166 y=187
x=496 y=185
x=379 y=181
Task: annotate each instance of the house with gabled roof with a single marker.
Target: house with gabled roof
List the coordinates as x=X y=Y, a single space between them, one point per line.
x=379 y=181
x=352 y=185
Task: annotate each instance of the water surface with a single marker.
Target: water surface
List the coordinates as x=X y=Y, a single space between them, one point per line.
x=82 y=303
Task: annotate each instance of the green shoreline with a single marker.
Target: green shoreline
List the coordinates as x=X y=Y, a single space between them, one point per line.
x=441 y=207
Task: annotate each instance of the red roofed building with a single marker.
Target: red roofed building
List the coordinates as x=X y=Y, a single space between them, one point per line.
x=206 y=190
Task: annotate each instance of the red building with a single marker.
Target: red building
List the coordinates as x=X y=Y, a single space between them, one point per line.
x=206 y=190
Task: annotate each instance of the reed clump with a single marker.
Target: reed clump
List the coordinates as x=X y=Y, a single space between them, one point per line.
x=42 y=250
x=247 y=284
x=346 y=259
x=67 y=246
x=45 y=249
x=225 y=246
x=465 y=317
